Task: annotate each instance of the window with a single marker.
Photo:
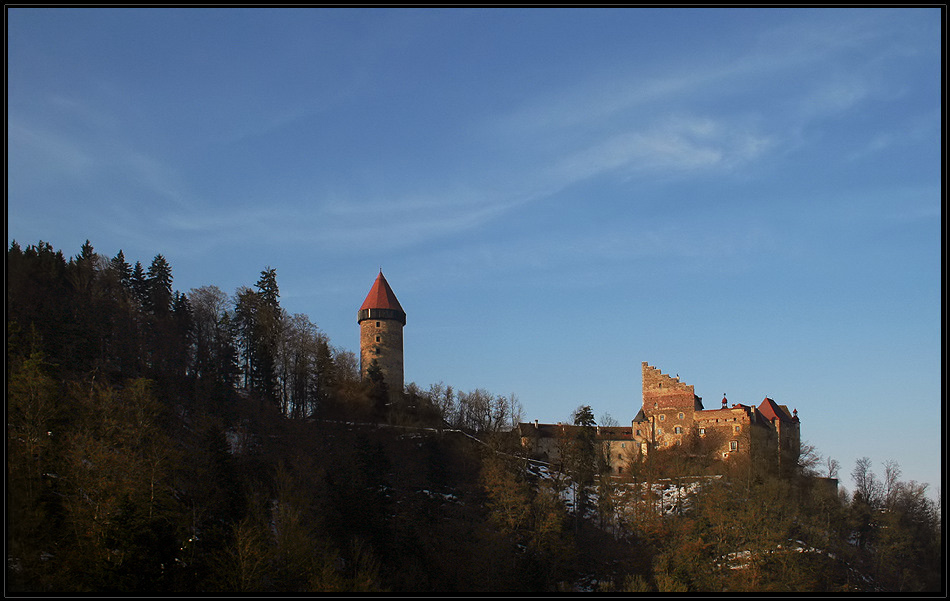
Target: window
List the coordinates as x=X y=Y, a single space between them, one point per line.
x=659 y=431
x=678 y=442
x=680 y=415
x=677 y=430
x=638 y=433
x=737 y=429
x=623 y=445
x=733 y=445
x=619 y=456
x=619 y=470
x=377 y=339
x=702 y=431
x=662 y=417
x=377 y=324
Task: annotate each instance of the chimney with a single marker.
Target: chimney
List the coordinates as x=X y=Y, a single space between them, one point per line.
x=535 y=424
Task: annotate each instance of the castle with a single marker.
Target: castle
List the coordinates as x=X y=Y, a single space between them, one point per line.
x=670 y=411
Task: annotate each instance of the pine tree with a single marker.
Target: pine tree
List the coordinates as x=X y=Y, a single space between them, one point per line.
x=159 y=286
x=140 y=286
x=267 y=325
x=122 y=270
x=582 y=458
x=267 y=288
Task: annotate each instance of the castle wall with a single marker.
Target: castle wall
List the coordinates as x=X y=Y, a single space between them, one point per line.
x=670 y=406
x=734 y=426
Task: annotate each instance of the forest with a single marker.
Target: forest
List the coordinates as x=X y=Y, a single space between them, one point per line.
x=161 y=441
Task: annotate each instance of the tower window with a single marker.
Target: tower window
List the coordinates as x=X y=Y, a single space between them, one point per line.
x=678 y=430
x=377 y=339
x=376 y=350
x=377 y=324
x=738 y=428
x=702 y=431
x=733 y=445
x=680 y=415
x=662 y=417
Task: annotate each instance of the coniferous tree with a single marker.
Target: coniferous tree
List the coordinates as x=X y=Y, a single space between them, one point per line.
x=184 y=336
x=159 y=286
x=48 y=302
x=582 y=457
x=122 y=270
x=246 y=305
x=140 y=286
x=226 y=365
x=267 y=332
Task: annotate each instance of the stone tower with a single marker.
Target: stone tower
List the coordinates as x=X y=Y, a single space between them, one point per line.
x=381 y=320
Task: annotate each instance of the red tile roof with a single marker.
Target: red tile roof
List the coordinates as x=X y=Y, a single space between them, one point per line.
x=381 y=296
x=771 y=410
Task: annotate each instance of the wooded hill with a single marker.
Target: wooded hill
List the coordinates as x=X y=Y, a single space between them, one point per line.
x=200 y=442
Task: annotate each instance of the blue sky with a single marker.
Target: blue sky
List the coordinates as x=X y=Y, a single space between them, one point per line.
x=750 y=199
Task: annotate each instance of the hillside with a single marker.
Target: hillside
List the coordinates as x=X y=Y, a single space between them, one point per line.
x=161 y=442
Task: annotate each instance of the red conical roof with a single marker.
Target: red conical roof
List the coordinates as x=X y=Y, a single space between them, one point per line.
x=381 y=296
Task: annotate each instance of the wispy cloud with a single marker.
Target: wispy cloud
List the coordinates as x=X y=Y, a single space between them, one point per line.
x=675 y=144
x=831 y=98
x=92 y=154
x=59 y=154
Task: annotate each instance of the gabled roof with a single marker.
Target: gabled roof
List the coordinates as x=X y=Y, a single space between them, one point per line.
x=381 y=296
x=641 y=417
x=771 y=410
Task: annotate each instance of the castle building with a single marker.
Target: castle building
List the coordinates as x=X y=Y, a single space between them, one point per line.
x=381 y=320
x=671 y=412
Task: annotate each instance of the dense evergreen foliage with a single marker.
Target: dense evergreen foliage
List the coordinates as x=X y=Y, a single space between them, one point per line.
x=165 y=442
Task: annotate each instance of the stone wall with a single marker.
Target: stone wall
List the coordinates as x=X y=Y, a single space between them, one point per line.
x=381 y=339
x=661 y=391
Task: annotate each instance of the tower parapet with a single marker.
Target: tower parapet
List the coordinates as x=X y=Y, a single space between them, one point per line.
x=661 y=391
x=395 y=314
